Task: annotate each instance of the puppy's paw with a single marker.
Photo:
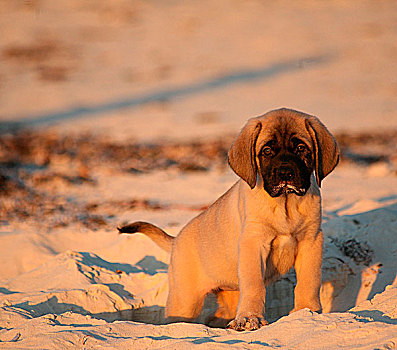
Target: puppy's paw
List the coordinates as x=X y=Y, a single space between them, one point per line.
x=313 y=309
x=314 y=306
x=250 y=323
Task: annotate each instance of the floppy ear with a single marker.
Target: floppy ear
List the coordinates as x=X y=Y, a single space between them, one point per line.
x=326 y=151
x=242 y=154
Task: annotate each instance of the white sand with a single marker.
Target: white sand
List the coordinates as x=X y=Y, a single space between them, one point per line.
x=70 y=288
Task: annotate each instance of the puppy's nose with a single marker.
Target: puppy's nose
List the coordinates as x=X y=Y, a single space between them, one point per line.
x=286 y=173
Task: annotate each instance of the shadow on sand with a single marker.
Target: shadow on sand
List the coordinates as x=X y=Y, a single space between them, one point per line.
x=233 y=78
x=378 y=228
x=373 y=222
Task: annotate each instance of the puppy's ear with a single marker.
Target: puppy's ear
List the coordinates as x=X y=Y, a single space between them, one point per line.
x=326 y=151
x=242 y=154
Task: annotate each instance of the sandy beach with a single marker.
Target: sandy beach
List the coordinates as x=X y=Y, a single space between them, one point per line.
x=118 y=111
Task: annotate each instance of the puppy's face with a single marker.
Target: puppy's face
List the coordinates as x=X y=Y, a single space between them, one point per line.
x=284 y=147
x=285 y=164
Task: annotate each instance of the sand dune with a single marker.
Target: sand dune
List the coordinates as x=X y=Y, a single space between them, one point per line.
x=114 y=111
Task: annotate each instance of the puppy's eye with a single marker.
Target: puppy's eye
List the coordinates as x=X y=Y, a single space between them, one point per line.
x=267 y=151
x=301 y=148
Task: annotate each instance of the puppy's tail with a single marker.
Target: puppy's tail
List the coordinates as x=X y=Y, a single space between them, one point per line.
x=158 y=236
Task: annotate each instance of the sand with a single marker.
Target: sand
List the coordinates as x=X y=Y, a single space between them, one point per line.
x=128 y=109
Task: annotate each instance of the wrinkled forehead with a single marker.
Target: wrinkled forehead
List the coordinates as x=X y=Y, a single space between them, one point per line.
x=282 y=129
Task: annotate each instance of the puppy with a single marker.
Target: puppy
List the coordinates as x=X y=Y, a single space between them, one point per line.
x=267 y=222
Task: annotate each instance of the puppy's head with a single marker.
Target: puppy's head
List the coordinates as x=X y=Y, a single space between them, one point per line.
x=284 y=147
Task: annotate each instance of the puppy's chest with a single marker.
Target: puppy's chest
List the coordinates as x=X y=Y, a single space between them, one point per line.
x=287 y=218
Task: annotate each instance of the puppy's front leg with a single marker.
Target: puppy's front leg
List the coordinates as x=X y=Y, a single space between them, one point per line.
x=252 y=254
x=308 y=272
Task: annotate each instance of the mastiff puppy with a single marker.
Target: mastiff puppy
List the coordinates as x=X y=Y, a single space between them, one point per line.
x=267 y=222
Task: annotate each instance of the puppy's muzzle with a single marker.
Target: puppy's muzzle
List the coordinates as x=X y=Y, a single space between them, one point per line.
x=286 y=173
x=287 y=179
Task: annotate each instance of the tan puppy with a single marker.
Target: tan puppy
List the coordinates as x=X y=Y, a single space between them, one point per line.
x=266 y=223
